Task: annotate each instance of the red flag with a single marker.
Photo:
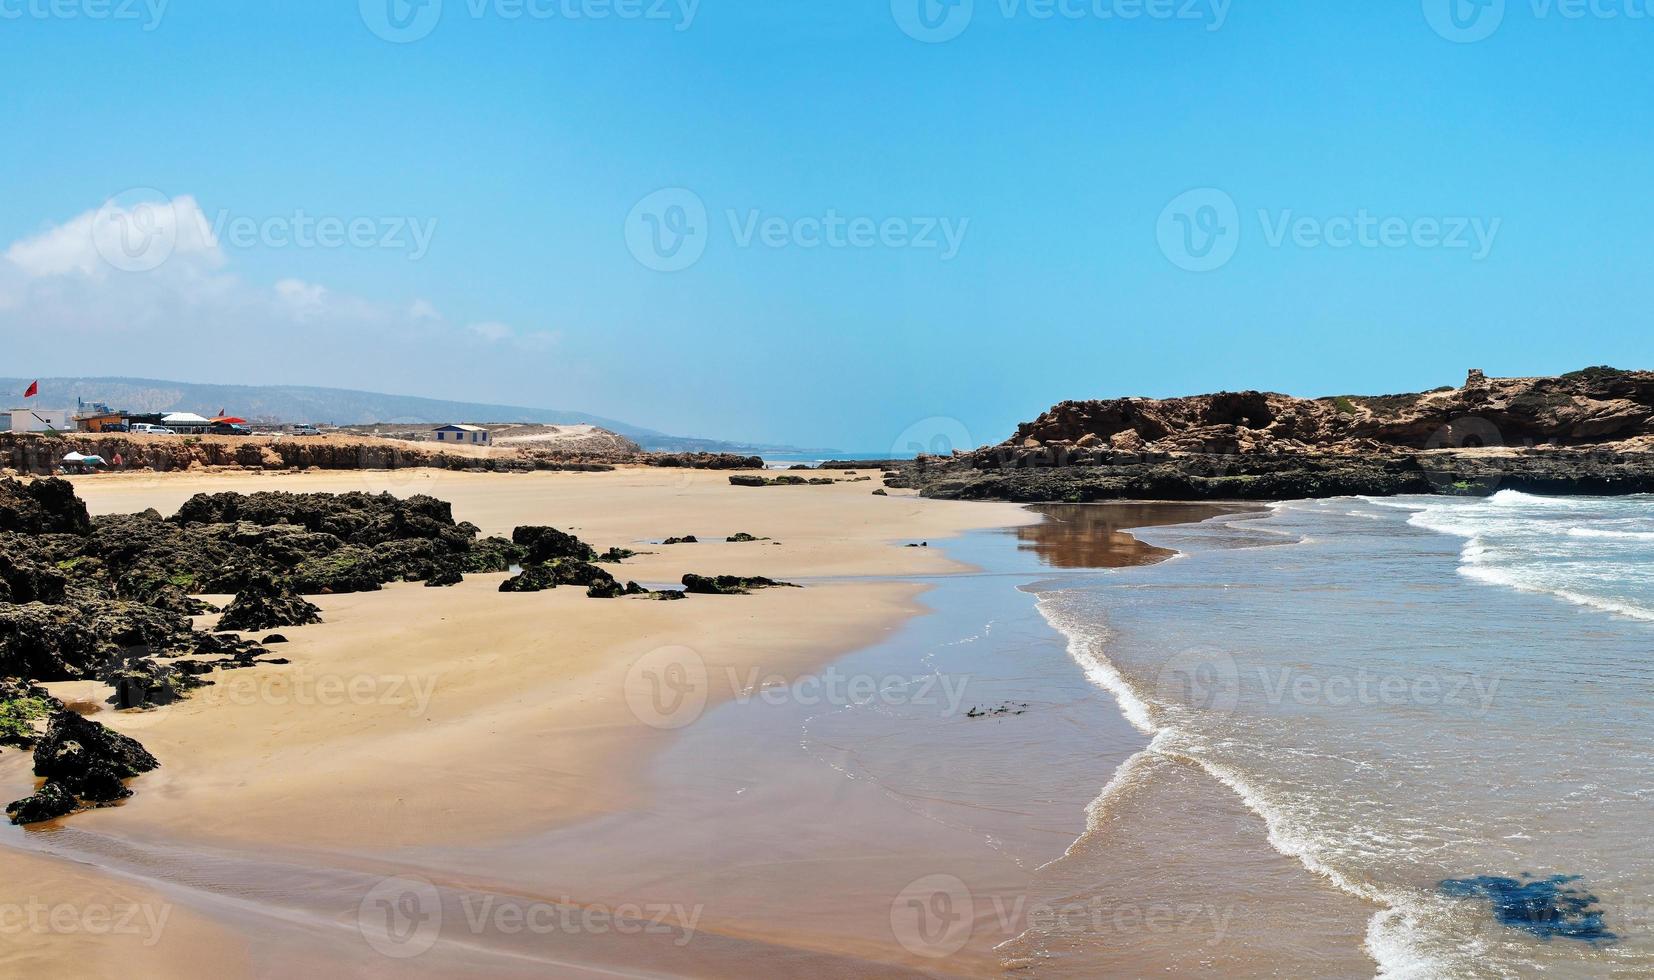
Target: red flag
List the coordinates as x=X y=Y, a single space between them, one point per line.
x=34 y=389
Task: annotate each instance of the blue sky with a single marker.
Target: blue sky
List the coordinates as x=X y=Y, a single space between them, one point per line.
x=1502 y=183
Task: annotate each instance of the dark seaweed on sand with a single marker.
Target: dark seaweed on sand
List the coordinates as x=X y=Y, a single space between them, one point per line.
x=1546 y=907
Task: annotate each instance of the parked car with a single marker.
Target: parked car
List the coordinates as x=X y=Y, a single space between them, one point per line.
x=306 y=429
x=231 y=429
x=148 y=429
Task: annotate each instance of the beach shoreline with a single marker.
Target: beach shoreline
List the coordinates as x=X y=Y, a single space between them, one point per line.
x=534 y=757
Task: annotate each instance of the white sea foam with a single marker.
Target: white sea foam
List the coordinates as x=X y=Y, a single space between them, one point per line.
x=1393 y=938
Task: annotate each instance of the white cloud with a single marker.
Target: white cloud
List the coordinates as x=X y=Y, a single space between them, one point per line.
x=131 y=236
x=492 y=331
x=137 y=287
x=533 y=340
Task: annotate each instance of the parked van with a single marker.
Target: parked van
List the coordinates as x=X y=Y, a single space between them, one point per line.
x=146 y=429
x=306 y=429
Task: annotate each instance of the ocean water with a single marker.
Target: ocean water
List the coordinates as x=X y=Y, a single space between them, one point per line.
x=1442 y=708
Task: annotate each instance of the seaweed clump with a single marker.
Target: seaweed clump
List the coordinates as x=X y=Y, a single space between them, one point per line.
x=1547 y=907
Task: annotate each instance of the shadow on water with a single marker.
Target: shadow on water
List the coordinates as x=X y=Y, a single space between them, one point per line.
x=1546 y=907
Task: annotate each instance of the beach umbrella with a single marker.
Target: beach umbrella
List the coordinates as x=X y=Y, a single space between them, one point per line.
x=93 y=461
x=73 y=457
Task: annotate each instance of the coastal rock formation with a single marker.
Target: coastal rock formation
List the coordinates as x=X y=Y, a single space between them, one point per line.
x=263 y=603
x=42 y=507
x=83 y=760
x=559 y=571
x=730 y=584
x=543 y=544
x=1590 y=431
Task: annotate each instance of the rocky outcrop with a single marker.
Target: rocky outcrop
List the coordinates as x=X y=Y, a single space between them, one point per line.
x=543 y=544
x=263 y=603
x=42 y=507
x=84 y=764
x=1590 y=431
x=730 y=584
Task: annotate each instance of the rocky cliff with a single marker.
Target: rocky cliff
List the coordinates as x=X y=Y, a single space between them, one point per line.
x=1589 y=431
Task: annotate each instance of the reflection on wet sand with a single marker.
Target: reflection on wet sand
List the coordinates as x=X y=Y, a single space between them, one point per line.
x=1095 y=535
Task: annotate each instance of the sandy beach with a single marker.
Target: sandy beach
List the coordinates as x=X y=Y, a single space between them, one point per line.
x=419 y=718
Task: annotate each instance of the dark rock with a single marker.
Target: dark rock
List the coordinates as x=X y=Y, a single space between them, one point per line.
x=615 y=556
x=22 y=580
x=745 y=480
x=48 y=803
x=605 y=589
x=445 y=576
x=730 y=584
x=880 y=493
x=42 y=507
x=533 y=578
x=543 y=544
x=686 y=539
x=741 y=537
x=140 y=682
x=494 y=555
x=273 y=638
x=668 y=595
x=88 y=759
x=264 y=604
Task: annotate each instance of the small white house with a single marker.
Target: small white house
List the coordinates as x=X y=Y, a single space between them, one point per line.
x=42 y=419
x=471 y=435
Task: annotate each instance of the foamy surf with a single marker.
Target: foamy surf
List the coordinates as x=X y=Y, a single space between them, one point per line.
x=1370 y=796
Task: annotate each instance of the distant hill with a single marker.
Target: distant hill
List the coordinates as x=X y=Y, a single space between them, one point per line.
x=338 y=406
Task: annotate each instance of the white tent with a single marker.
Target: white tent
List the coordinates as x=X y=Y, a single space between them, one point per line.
x=73 y=458
x=184 y=418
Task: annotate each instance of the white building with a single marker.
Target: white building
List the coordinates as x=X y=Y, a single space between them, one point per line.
x=471 y=435
x=42 y=419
